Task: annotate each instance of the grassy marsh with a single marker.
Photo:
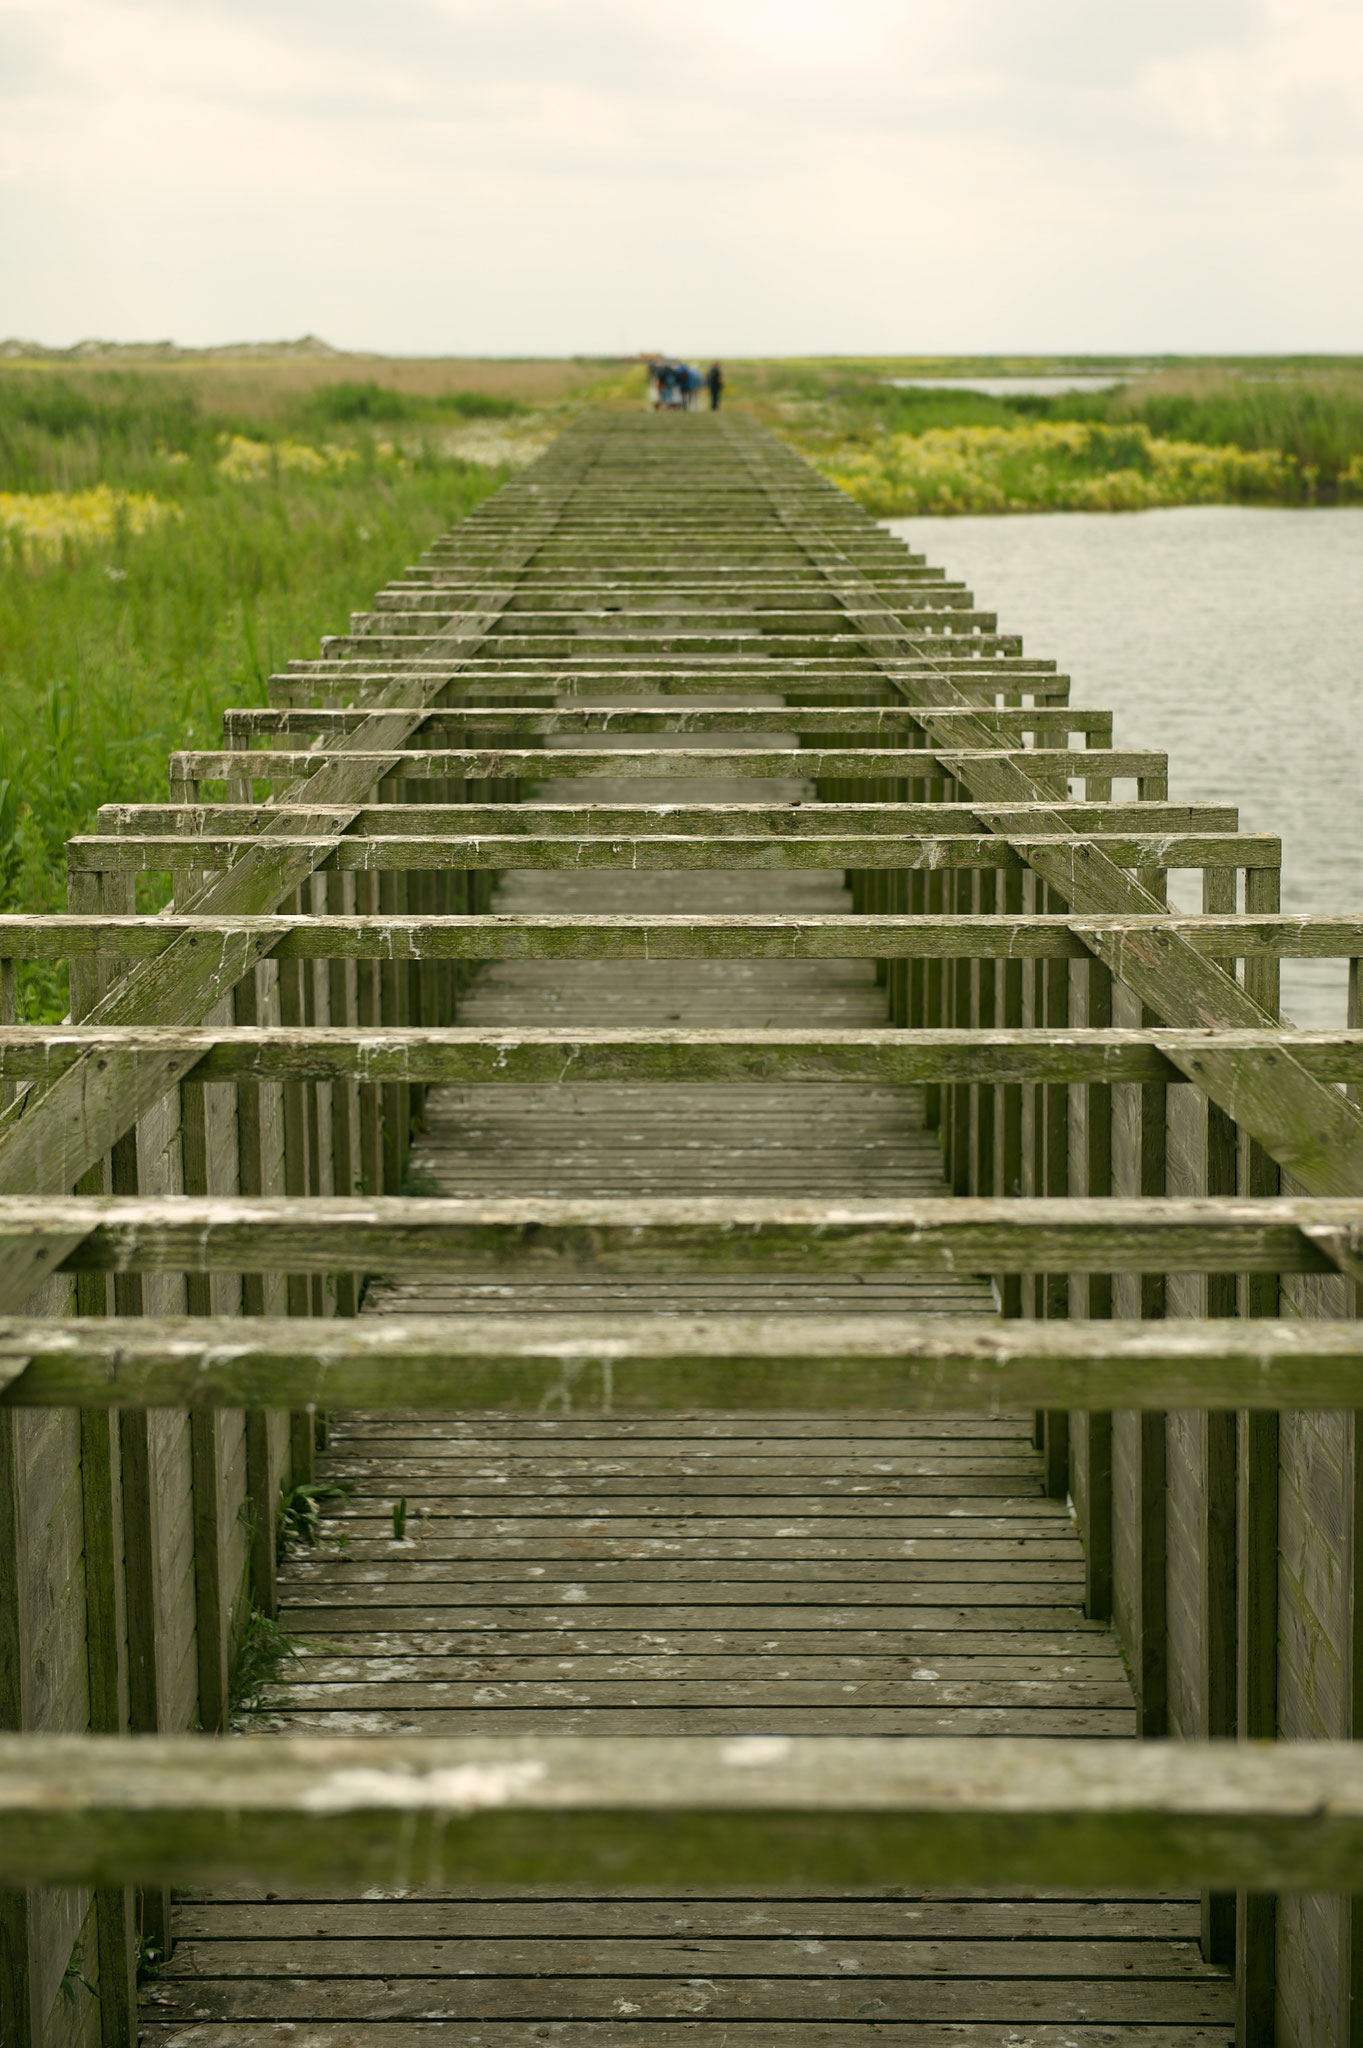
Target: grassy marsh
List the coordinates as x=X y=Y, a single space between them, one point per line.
x=158 y=559
x=175 y=526
x=1279 y=431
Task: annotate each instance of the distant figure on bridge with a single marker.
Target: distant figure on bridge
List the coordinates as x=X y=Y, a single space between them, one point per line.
x=714 y=377
x=674 y=384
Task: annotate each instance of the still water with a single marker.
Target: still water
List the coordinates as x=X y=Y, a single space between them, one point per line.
x=1010 y=387
x=1230 y=636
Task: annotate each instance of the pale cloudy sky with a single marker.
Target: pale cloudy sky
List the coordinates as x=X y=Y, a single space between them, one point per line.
x=549 y=176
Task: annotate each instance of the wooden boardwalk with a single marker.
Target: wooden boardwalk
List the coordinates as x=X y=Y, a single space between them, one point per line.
x=798 y=1575
x=824 y=1314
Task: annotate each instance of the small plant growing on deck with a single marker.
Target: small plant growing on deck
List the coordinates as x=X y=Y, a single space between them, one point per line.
x=150 y=1960
x=300 y=1513
x=400 y=1519
x=265 y=1649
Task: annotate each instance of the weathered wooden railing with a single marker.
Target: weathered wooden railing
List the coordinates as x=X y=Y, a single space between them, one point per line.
x=195 y=1172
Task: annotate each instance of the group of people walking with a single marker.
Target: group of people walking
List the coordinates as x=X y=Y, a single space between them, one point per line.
x=679 y=384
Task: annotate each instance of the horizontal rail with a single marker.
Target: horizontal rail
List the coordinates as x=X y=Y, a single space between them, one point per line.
x=1057 y=816
x=602 y=622
x=769 y=1812
x=676 y=1365
x=698 y=936
x=354 y=684
x=750 y=597
x=466 y=1054
x=711 y=640
x=124 y=853
x=712 y=1234
x=964 y=654
x=945 y=659
x=416 y=764
x=665 y=721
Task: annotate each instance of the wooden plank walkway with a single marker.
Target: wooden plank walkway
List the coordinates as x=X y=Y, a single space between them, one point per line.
x=655 y=964
x=796 y=1575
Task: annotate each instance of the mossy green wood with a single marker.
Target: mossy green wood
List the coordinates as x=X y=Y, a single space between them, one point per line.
x=714 y=1234
x=549 y=1057
x=225 y=944
x=414 y=764
x=656 y=1811
x=670 y=849
x=531 y=817
x=719 y=1365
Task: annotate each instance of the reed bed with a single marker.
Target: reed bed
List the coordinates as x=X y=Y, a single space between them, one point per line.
x=1280 y=432
x=157 y=562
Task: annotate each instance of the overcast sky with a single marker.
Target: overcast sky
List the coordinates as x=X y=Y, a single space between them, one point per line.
x=737 y=176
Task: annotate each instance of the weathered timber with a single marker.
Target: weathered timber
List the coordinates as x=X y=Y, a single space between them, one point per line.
x=233 y=943
x=418 y=1233
x=679 y=1366
x=768 y=1811
x=532 y=817
x=276 y=764
x=668 y=850
x=453 y=722
x=463 y=1053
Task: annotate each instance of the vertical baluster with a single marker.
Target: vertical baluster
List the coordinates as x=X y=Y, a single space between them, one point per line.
x=261 y=1479
x=1257 y=1551
x=1098 y=1168
x=1053 y=1115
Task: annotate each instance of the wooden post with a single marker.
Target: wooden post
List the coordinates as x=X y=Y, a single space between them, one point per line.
x=1053 y=1110
x=1256 y=1965
x=985 y=1095
x=1351 y=1986
x=393 y=1011
x=302 y=1433
x=106 y=1656
x=1218 y=1525
x=340 y=899
x=1010 y=1107
x=8 y=997
x=1152 y=1481
x=19 y=2023
x=1351 y=1947
x=261 y=1488
x=368 y=1014
x=1098 y=1163
x=102 y=1534
x=141 y=1549
x=210 y=1597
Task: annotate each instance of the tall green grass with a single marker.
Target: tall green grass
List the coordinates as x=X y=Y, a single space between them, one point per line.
x=1318 y=422
x=849 y=417
x=117 y=652
x=350 y=404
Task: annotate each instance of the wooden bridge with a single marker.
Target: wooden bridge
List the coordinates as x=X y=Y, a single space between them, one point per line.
x=672 y=1130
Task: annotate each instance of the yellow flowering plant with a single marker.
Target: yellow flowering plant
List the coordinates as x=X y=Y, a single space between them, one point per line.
x=1053 y=465
x=44 y=524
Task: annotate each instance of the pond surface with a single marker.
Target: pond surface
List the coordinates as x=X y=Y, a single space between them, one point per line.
x=1010 y=387
x=1230 y=636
